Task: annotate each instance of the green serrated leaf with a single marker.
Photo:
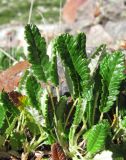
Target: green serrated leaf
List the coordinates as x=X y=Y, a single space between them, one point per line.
x=44 y=69
x=33 y=89
x=112 y=72
x=53 y=72
x=78 y=55
x=62 y=49
x=96 y=137
x=37 y=52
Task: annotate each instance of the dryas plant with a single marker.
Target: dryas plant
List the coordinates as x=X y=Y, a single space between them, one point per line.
x=92 y=114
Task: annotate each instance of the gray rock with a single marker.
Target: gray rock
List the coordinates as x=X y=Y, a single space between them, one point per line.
x=117 y=30
x=97 y=35
x=113 y=9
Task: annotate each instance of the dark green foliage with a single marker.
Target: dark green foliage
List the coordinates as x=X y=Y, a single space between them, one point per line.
x=33 y=89
x=76 y=46
x=50 y=113
x=53 y=70
x=37 y=52
x=48 y=116
x=76 y=62
x=112 y=72
x=43 y=68
x=95 y=90
x=61 y=46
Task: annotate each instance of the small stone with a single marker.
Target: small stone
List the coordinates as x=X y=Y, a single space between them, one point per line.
x=117 y=30
x=97 y=35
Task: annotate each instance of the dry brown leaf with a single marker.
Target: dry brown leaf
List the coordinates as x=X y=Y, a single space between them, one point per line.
x=70 y=10
x=57 y=152
x=10 y=78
